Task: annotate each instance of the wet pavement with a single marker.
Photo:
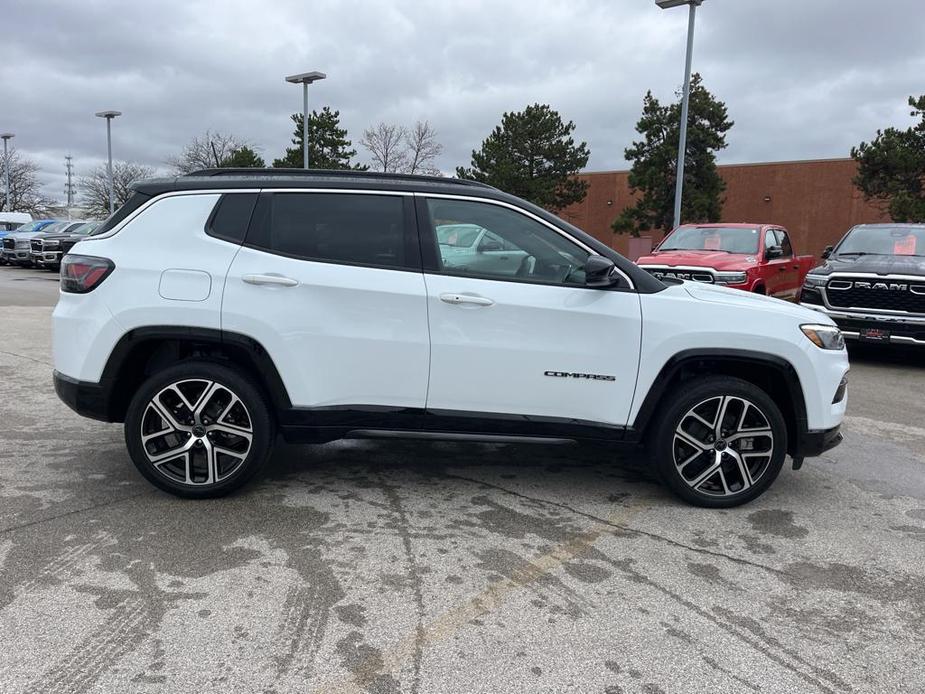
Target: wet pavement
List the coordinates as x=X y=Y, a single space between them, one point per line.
x=433 y=567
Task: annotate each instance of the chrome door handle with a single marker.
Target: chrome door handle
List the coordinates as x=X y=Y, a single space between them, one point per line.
x=450 y=298
x=278 y=280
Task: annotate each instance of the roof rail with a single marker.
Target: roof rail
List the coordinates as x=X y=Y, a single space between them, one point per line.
x=334 y=173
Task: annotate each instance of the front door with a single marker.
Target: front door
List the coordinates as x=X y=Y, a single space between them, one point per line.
x=528 y=351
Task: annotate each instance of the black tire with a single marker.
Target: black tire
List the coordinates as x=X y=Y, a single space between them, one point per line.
x=239 y=468
x=728 y=487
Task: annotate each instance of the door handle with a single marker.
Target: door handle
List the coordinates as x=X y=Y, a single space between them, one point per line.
x=782 y=269
x=277 y=280
x=450 y=298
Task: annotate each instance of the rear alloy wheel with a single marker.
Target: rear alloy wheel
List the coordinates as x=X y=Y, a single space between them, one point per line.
x=198 y=429
x=722 y=444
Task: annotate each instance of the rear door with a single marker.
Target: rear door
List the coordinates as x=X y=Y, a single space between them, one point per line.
x=531 y=351
x=330 y=283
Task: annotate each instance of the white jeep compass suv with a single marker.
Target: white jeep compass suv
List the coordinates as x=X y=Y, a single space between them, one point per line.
x=215 y=310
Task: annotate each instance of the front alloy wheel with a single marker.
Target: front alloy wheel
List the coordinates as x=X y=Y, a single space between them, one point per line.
x=198 y=429
x=721 y=443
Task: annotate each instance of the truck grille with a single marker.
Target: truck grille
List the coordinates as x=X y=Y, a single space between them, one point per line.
x=37 y=245
x=878 y=294
x=692 y=274
x=9 y=244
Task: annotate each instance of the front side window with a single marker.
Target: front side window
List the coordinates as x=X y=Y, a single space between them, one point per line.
x=770 y=240
x=494 y=242
x=352 y=229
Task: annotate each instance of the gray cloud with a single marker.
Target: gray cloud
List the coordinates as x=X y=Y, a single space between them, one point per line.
x=802 y=78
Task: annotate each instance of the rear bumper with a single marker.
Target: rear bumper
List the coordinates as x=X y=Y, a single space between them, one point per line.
x=86 y=399
x=903 y=329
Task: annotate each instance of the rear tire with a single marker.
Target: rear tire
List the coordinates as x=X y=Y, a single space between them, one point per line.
x=199 y=429
x=721 y=443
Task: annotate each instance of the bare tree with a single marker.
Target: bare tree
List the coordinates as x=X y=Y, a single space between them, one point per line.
x=423 y=149
x=207 y=151
x=94 y=187
x=25 y=190
x=386 y=145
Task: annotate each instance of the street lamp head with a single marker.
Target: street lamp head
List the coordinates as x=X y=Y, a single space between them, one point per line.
x=109 y=114
x=668 y=4
x=306 y=77
x=6 y=136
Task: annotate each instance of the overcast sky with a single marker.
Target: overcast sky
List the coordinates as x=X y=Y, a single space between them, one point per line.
x=801 y=78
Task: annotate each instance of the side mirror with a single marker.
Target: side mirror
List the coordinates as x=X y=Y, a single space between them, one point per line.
x=600 y=272
x=827 y=252
x=772 y=252
x=489 y=245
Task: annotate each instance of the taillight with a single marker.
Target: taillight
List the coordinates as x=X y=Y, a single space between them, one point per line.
x=84 y=273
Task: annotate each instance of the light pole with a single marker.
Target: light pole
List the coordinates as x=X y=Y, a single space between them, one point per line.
x=305 y=79
x=6 y=170
x=109 y=115
x=682 y=141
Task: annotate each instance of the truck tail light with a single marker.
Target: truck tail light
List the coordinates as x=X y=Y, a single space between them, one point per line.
x=84 y=273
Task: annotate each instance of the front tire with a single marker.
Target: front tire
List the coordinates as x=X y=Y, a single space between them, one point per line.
x=199 y=430
x=721 y=443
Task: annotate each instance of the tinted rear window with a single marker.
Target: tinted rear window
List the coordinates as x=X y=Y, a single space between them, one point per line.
x=231 y=216
x=336 y=228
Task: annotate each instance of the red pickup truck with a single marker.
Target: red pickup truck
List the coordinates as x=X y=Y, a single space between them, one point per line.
x=754 y=257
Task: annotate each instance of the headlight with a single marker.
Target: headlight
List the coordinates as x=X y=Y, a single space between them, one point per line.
x=824 y=336
x=814 y=281
x=50 y=244
x=731 y=277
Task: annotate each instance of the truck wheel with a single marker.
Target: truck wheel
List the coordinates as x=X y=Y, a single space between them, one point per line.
x=721 y=443
x=199 y=430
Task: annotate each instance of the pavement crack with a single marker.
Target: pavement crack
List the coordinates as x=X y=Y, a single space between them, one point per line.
x=624 y=528
x=75 y=511
x=398 y=509
x=23 y=356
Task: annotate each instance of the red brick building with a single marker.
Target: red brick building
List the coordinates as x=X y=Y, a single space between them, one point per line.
x=815 y=200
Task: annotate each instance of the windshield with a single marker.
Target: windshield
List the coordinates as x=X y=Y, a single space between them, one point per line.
x=55 y=228
x=878 y=240
x=729 y=239
x=86 y=228
x=33 y=226
x=458 y=235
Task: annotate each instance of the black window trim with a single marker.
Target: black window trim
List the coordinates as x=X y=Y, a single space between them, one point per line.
x=430 y=254
x=412 y=237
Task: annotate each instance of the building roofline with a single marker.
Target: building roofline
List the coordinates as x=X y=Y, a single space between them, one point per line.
x=731 y=165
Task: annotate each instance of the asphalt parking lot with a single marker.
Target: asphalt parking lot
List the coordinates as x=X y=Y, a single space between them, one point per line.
x=414 y=567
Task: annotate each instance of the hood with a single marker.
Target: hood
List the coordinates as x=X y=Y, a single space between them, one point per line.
x=51 y=237
x=874 y=264
x=736 y=297
x=718 y=260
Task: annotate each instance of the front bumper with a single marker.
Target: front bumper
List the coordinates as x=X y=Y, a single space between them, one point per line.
x=813 y=443
x=23 y=255
x=46 y=257
x=902 y=329
x=86 y=399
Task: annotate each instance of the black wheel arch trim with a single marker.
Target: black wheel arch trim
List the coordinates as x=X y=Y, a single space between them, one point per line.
x=691 y=357
x=269 y=375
